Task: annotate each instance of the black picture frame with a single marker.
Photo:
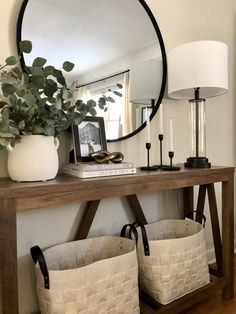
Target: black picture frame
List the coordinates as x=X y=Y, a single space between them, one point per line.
x=89 y=136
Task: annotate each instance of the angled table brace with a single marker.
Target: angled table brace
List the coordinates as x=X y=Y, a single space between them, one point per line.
x=91 y=209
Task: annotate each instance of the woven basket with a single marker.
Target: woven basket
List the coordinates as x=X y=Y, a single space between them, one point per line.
x=91 y=276
x=177 y=263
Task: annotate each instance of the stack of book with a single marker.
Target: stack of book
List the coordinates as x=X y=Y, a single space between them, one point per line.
x=92 y=169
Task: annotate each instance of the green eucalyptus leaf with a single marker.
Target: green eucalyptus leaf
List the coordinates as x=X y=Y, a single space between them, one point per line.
x=37 y=82
x=38 y=129
x=91 y=103
x=49 y=122
x=92 y=111
x=13 y=130
x=110 y=99
x=117 y=93
x=59 y=76
x=5 y=115
x=12 y=100
x=38 y=71
x=39 y=62
x=25 y=46
x=29 y=99
x=68 y=66
x=48 y=70
x=49 y=131
x=8 y=89
x=21 y=125
x=31 y=111
x=52 y=100
x=11 y=60
x=50 y=88
x=20 y=92
x=102 y=102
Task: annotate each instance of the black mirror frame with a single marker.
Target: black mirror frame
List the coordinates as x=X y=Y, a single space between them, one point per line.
x=163 y=52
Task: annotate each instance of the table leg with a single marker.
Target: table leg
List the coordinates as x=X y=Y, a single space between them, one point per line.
x=8 y=258
x=188 y=205
x=215 y=226
x=136 y=208
x=87 y=220
x=228 y=235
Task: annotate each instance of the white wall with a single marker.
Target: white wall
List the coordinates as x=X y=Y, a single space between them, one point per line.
x=180 y=21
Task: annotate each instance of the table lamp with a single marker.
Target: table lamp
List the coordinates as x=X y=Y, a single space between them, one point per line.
x=198 y=70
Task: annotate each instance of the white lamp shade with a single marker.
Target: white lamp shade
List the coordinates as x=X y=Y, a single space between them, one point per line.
x=202 y=64
x=145 y=81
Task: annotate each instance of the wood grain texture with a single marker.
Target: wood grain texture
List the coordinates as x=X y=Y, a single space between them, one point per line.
x=8 y=257
x=215 y=226
x=228 y=235
x=45 y=194
x=87 y=220
x=136 y=208
x=186 y=301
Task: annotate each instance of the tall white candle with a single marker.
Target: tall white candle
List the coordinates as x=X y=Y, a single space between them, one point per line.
x=171 y=135
x=148 y=126
x=161 y=119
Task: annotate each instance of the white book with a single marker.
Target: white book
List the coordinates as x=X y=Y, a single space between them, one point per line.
x=93 y=166
x=98 y=173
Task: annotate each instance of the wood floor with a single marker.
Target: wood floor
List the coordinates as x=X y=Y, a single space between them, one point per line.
x=215 y=304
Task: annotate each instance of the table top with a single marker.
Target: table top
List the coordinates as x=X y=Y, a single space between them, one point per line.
x=76 y=189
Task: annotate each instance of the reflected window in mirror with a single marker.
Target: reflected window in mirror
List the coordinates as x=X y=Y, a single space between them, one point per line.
x=119 y=117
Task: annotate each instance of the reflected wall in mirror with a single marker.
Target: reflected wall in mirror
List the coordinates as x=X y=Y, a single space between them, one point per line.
x=112 y=43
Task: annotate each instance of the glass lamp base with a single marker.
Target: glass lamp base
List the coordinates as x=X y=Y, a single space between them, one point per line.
x=197 y=162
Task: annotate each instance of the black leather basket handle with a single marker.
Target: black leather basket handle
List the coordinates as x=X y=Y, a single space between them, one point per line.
x=190 y=215
x=144 y=237
x=37 y=256
x=132 y=229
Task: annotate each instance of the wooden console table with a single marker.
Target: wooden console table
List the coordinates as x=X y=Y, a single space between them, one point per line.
x=27 y=196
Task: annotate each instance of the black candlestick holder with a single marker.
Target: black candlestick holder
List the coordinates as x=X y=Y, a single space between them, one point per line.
x=148 y=167
x=170 y=167
x=161 y=138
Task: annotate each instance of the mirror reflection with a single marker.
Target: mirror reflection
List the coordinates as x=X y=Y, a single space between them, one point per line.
x=114 y=46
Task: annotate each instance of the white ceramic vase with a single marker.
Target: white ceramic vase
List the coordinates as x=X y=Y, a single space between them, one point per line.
x=34 y=158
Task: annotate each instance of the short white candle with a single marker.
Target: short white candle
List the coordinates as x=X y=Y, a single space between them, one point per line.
x=148 y=126
x=171 y=135
x=161 y=119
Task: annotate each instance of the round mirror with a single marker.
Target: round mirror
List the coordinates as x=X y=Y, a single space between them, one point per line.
x=117 y=49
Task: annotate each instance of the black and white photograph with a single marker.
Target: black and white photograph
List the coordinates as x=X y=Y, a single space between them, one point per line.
x=89 y=137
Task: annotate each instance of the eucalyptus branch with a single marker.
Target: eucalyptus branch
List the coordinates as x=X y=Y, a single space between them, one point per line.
x=38 y=99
